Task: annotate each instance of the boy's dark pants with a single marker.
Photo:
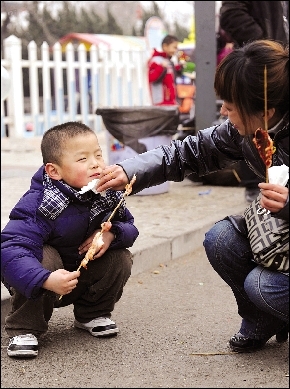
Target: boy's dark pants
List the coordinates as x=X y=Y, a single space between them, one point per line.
x=99 y=287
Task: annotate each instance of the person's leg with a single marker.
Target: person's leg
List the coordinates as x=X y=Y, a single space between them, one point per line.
x=99 y=287
x=230 y=255
x=28 y=319
x=32 y=316
x=269 y=291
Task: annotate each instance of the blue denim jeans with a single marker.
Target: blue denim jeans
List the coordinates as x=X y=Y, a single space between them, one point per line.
x=262 y=295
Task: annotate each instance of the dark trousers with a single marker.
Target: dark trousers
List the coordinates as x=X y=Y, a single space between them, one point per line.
x=99 y=287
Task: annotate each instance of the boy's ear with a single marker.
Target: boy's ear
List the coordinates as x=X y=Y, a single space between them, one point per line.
x=53 y=171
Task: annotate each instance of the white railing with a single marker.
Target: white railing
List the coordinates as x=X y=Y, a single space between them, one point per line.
x=71 y=89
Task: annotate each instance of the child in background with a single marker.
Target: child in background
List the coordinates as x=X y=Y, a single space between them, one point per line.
x=162 y=73
x=50 y=230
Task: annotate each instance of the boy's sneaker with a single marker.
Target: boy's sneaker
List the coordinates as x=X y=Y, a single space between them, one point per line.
x=25 y=346
x=101 y=326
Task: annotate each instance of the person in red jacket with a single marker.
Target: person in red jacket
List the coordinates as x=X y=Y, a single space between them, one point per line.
x=162 y=73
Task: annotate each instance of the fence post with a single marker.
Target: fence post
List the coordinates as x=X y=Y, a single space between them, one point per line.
x=116 y=78
x=33 y=87
x=95 y=89
x=12 y=52
x=127 y=80
x=46 y=87
x=106 y=78
x=71 y=82
x=83 y=81
x=58 y=82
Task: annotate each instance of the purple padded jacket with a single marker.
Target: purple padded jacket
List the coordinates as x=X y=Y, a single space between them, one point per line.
x=53 y=213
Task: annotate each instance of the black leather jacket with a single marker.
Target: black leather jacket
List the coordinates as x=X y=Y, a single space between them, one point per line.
x=212 y=149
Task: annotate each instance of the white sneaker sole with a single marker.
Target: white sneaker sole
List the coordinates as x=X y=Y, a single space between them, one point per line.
x=23 y=353
x=98 y=334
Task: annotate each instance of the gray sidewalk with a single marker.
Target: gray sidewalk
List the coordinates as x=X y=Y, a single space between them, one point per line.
x=175 y=316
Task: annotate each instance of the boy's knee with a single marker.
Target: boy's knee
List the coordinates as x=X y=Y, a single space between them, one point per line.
x=51 y=258
x=125 y=258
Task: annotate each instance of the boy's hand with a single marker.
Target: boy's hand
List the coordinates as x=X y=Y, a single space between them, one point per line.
x=165 y=64
x=274 y=196
x=108 y=238
x=62 y=281
x=112 y=177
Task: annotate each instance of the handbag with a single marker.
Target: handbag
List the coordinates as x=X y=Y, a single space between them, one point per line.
x=268 y=236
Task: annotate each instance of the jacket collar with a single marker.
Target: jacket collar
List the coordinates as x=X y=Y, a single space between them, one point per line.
x=58 y=195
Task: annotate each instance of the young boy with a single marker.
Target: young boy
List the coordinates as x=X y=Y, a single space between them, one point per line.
x=162 y=73
x=50 y=229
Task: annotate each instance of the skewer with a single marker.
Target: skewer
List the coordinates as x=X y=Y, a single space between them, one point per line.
x=265 y=112
x=128 y=190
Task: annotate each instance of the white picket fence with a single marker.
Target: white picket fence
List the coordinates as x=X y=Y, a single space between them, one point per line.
x=72 y=89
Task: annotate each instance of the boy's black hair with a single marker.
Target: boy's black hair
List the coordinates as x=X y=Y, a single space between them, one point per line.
x=54 y=140
x=168 y=39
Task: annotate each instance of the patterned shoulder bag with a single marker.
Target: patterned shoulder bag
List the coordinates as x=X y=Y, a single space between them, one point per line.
x=269 y=237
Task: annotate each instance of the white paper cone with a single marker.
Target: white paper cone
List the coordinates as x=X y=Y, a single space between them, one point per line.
x=278 y=175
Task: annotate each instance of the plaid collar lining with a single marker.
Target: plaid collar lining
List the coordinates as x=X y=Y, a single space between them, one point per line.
x=55 y=201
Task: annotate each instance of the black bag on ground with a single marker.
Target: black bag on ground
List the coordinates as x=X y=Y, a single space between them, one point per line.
x=128 y=124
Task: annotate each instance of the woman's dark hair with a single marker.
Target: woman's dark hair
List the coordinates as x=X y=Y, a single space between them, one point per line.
x=54 y=140
x=239 y=78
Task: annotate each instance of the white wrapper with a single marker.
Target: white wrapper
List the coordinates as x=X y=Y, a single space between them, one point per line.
x=91 y=186
x=278 y=175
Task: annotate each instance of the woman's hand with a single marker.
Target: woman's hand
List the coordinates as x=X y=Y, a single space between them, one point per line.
x=107 y=237
x=112 y=177
x=274 y=196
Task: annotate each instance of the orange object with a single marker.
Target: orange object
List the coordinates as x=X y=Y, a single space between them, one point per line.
x=185 y=94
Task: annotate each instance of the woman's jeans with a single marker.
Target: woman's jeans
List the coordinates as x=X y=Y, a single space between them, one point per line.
x=99 y=287
x=262 y=295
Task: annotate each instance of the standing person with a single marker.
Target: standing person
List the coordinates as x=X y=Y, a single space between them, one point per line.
x=224 y=45
x=262 y=294
x=162 y=73
x=246 y=21
x=50 y=230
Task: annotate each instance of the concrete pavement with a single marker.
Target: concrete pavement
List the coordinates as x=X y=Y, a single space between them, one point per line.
x=175 y=316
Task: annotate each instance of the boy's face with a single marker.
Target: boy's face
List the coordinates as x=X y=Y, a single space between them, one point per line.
x=170 y=49
x=82 y=161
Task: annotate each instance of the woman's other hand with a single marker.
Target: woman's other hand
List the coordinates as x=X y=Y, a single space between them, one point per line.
x=274 y=197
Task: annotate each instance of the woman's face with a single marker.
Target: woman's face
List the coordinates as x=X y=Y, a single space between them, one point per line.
x=229 y=110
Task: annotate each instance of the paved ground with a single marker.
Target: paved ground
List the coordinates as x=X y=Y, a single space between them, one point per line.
x=176 y=315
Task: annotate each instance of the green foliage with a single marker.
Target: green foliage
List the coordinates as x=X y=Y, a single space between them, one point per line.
x=90 y=23
x=42 y=26
x=111 y=26
x=66 y=20
x=180 y=32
